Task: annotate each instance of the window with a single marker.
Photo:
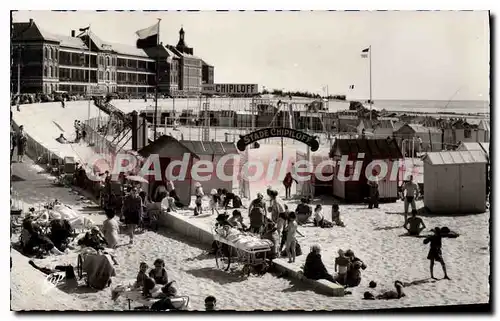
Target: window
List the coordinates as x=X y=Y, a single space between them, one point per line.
x=467 y=133
x=107 y=61
x=107 y=75
x=50 y=71
x=100 y=75
x=46 y=53
x=45 y=71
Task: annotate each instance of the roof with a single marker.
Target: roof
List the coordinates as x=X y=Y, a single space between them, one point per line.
x=417 y=128
x=128 y=50
x=159 y=144
x=456 y=157
x=209 y=148
x=484 y=124
x=24 y=31
x=473 y=146
x=372 y=148
x=72 y=42
x=381 y=123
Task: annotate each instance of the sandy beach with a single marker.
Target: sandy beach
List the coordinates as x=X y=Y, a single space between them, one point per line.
x=374 y=236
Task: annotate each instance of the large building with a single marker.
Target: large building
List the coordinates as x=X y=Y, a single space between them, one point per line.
x=47 y=63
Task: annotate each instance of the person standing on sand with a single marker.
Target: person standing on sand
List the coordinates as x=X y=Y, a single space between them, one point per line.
x=435 y=252
x=132 y=211
x=414 y=225
x=374 y=194
x=411 y=193
x=291 y=241
x=21 y=144
x=288 y=182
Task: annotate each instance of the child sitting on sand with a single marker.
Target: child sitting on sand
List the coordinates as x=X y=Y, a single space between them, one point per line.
x=110 y=229
x=141 y=276
x=341 y=267
x=159 y=274
x=336 y=215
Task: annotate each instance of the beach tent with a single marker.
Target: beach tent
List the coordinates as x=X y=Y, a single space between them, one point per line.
x=366 y=150
x=455 y=182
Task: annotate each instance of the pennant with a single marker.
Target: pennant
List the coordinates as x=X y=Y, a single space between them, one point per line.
x=364 y=52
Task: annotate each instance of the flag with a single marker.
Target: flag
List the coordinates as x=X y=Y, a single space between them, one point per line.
x=364 y=53
x=83 y=31
x=148 y=37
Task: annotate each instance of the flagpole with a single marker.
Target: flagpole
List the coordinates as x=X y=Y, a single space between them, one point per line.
x=88 y=89
x=157 y=79
x=370 y=54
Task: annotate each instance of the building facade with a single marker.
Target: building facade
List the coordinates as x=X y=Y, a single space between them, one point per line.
x=84 y=64
x=207 y=74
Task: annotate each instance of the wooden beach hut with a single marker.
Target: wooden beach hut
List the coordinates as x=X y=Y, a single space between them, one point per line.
x=356 y=190
x=170 y=149
x=455 y=182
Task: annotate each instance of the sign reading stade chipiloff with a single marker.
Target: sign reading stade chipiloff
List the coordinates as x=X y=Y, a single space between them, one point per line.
x=264 y=133
x=231 y=89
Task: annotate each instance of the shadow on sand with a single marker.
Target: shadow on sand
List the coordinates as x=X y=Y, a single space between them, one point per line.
x=387 y=228
x=424 y=212
x=221 y=277
x=419 y=282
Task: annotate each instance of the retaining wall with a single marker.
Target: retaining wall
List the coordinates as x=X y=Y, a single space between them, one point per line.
x=203 y=234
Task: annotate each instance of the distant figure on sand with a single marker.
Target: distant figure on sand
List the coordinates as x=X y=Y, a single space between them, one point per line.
x=388 y=295
x=414 y=225
x=288 y=182
x=373 y=192
x=303 y=211
x=411 y=189
x=435 y=252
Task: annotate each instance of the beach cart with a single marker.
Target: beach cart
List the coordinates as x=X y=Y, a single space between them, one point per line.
x=243 y=248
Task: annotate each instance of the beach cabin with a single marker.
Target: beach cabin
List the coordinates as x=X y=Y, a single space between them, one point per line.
x=483 y=147
x=381 y=128
x=226 y=118
x=432 y=138
x=319 y=184
x=170 y=149
x=244 y=119
x=464 y=131
x=356 y=190
x=455 y=182
x=347 y=123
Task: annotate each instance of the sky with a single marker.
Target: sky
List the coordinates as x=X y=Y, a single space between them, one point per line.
x=415 y=55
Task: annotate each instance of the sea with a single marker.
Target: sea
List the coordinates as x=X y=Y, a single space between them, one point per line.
x=435 y=106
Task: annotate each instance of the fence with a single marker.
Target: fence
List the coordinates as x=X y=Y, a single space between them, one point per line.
x=99 y=144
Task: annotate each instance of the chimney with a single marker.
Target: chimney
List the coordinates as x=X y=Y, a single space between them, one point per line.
x=73 y=33
x=31 y=22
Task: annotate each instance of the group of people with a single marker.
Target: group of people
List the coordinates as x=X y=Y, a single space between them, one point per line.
x=80 y=132
x=347 y=266
x=18 y=140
